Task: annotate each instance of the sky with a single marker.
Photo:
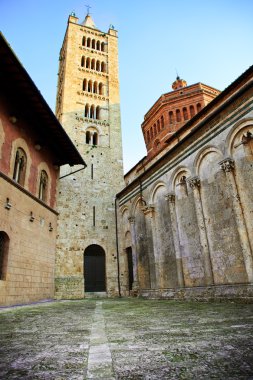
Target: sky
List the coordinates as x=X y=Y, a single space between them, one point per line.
x=208 y=41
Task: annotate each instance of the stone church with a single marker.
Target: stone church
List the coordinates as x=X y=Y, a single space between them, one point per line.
x=183 y=221
x=179 y=224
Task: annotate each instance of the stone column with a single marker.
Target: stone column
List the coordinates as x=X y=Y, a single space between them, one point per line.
x=149 y=214
x=194 y=183
x=228 y=167
x=180 y=274
x=134 y=253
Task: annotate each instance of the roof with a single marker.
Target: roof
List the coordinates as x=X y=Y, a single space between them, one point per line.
x=23 y=93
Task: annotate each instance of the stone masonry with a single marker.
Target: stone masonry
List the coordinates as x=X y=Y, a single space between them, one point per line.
x=88 y=106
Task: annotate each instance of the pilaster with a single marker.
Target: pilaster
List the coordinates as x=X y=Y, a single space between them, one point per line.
x=131 y=220
x=228 y=166
x=174 y=225
x=194 y=183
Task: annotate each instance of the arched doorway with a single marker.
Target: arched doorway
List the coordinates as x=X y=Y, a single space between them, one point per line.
x=130 y=267
x=94 y=269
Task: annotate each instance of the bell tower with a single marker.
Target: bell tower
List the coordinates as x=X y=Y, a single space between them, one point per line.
x=88 y=106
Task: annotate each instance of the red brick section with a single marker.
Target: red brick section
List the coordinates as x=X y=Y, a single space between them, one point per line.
x=171 y=111
x=22 y=129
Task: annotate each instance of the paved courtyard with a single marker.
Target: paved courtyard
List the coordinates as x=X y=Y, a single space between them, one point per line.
x=127 y=339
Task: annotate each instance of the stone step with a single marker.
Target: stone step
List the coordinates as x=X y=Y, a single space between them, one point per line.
x=95 y=295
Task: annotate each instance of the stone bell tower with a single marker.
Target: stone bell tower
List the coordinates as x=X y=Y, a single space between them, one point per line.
x=88 y=106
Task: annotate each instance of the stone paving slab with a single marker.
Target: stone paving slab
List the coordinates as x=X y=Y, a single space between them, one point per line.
x=123 y=339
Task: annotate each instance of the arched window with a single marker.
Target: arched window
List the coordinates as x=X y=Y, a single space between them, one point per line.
x=98 y=45
x=185 y=113
x=148 y=136
x=100 y=87
x=95 y=138
x=95 y=87
x=171 y=117
x=192 y=111
x=83 y=61
x=158 y=126
x=178 y=115
x=84 y=85
x=155 y=131
x=20 y=167
x=91 y=136
x=98 y=112
x=93 y=64
x=93 y=44
x=92 y=112
x=102 y=46
x=86 y=110
x=198 y=107
x=162 y=122
x=88 y=137
x=87 y=63
x=83 y=41
x=103 y=67
x=98 y=66
x=90 y=86
x=88 y=42
x=151 y=133
x=43 y=187
x=4 y=248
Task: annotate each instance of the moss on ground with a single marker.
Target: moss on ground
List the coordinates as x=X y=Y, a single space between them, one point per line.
x=149 y=339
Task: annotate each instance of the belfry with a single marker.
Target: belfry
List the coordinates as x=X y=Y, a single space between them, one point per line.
x=88 y=107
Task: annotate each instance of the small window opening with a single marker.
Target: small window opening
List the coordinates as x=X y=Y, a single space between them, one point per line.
x=4 y=248
x=95 y=138
x=94 y=216
x=98 y=113
x=192 y=111
x=88 y=137
x=43 y=186
x=162 y=122
x=185 y=113
x=20 y=167
x=171 y=117
x=178 y=115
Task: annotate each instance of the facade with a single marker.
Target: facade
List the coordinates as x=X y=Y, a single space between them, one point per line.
x=32 y=147
x=88 y=106
x=185 y=218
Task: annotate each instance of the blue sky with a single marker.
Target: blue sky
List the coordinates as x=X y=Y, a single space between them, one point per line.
x=205 y=41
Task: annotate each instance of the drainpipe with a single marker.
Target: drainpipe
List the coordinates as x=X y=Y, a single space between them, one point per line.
x=117 y=245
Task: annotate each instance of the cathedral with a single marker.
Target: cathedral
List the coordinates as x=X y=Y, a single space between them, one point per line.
x=178 y=225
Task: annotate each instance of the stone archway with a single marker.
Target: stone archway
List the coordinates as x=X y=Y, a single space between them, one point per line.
x=94 y=269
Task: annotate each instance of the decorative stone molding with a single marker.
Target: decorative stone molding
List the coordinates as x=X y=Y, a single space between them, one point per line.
x=227 y=165
x=131 y=219
x=170 y=197
x=148 y=210
x=194 y=182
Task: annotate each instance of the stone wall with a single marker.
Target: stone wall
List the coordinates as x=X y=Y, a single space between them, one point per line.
x=86 y=199
x=188 y=218
x=30 y=255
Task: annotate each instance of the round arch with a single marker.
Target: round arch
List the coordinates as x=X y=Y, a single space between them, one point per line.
x=94 y=269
